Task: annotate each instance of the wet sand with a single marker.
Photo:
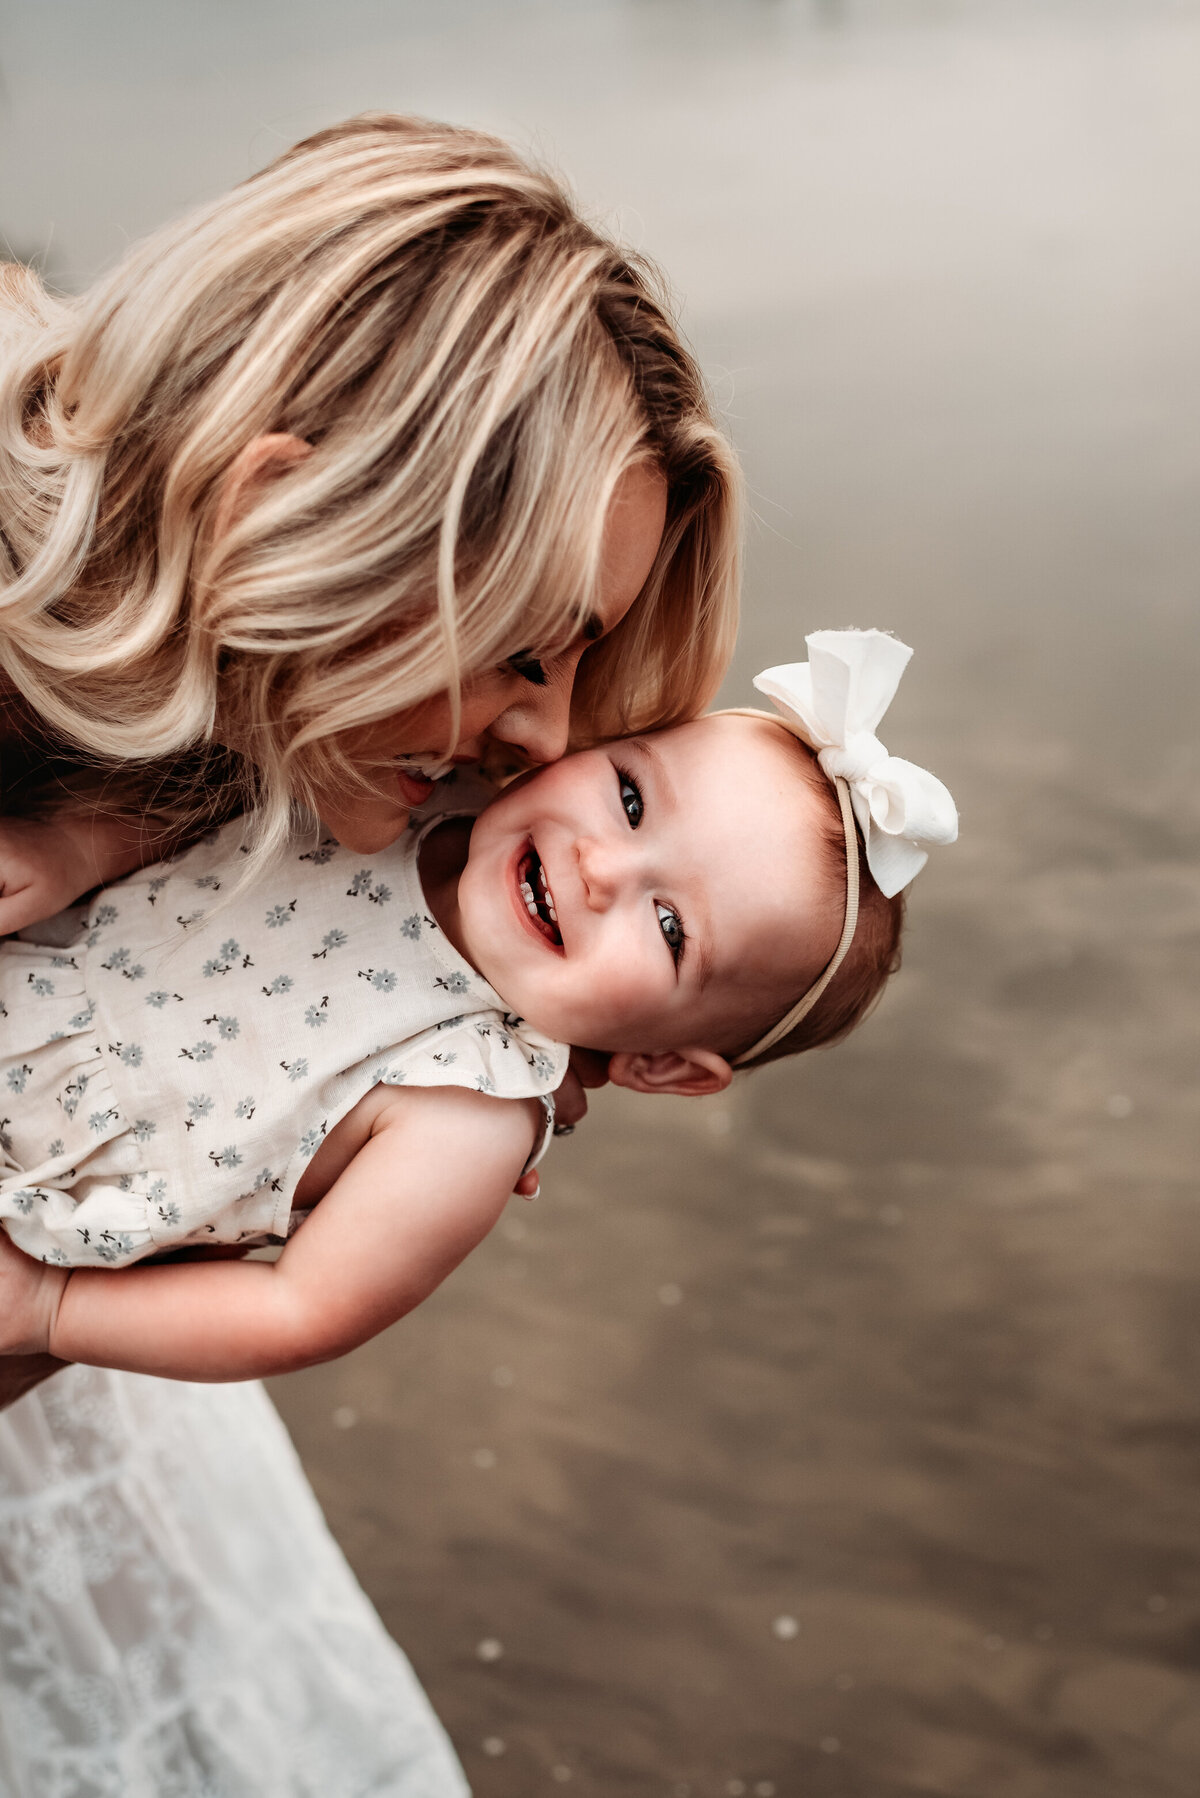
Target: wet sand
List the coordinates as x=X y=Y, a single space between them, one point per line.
x=841 y=1437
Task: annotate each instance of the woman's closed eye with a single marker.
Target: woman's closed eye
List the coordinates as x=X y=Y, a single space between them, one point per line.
x=527 y=665
x=533 y=669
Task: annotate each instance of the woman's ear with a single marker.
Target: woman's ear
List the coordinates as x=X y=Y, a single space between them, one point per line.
x=262 y=461
x=691 y=1073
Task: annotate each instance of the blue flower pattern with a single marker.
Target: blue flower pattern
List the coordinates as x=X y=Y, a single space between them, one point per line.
x=199 y=1125
x=382 y=979
x=224 y=961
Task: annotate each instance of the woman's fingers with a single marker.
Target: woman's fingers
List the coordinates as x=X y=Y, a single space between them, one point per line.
x=27 y=899
x=591 y=1068
x=588 y=1068
x=570 y=1101
x=570 y=1105
x=15 y=911
x=38 y=872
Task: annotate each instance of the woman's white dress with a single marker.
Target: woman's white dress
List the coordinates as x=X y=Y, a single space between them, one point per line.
x=176 y=1620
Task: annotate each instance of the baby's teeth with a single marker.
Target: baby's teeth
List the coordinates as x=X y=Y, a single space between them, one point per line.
x=531 y=903
x=547 y=895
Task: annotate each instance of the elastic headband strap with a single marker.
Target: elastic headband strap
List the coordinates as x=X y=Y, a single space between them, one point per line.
x=802 y=1008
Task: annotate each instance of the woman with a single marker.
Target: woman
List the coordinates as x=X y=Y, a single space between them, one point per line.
x=384 y=461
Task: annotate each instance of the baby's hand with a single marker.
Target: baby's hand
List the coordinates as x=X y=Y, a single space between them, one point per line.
x=43 y=867
x=29 y=1298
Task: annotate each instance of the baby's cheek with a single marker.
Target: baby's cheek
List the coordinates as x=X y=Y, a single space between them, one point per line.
x=614 y=1010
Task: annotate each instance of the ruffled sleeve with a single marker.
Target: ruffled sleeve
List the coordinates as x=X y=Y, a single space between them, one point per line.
x=491 y=1052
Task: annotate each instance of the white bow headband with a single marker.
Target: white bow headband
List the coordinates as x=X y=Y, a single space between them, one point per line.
x=835 y=702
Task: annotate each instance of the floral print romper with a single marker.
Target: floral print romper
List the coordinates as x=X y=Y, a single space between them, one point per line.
x=168 y=1069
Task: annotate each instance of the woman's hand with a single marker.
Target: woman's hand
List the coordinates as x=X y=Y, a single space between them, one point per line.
x=588 y=1068
x=48 y=863
x=43 y=867
x=30 y=1293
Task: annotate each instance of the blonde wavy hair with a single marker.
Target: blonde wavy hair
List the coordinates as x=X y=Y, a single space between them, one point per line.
x=474 y=366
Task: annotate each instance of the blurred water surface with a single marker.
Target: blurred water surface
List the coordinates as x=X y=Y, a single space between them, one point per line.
x=841 y=1436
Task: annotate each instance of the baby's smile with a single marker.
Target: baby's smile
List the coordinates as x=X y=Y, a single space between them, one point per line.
x=534 y=889
x=641 y=895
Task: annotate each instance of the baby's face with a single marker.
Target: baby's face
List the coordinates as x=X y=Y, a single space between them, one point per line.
x=687 y=889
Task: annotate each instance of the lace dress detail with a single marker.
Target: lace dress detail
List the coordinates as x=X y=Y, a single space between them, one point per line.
x=176 y=1620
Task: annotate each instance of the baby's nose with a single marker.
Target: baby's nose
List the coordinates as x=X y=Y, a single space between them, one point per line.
x=599 y=870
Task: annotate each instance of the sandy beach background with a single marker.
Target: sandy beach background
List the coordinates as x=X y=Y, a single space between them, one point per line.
x=839 y=1437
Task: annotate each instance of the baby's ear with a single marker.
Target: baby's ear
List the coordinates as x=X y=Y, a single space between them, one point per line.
x=691 y=1073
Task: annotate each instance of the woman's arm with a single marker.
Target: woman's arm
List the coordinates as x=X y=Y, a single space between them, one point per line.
x=426 y=1187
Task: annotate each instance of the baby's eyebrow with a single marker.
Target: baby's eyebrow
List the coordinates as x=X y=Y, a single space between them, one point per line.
x=662 y=780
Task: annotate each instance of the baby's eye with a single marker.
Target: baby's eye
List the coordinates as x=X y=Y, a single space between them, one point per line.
x=526 y=664
x=671 y=925
x=631 y=798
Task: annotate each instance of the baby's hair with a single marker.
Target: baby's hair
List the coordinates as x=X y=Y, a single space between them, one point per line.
x=874 y=953
x=475 y=368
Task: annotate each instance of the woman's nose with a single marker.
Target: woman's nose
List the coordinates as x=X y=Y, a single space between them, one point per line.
x=539 y=722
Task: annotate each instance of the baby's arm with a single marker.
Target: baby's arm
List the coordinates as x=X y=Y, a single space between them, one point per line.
x=428 y=1184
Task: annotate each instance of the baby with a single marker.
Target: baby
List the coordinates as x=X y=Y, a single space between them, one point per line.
x=330 y=1045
